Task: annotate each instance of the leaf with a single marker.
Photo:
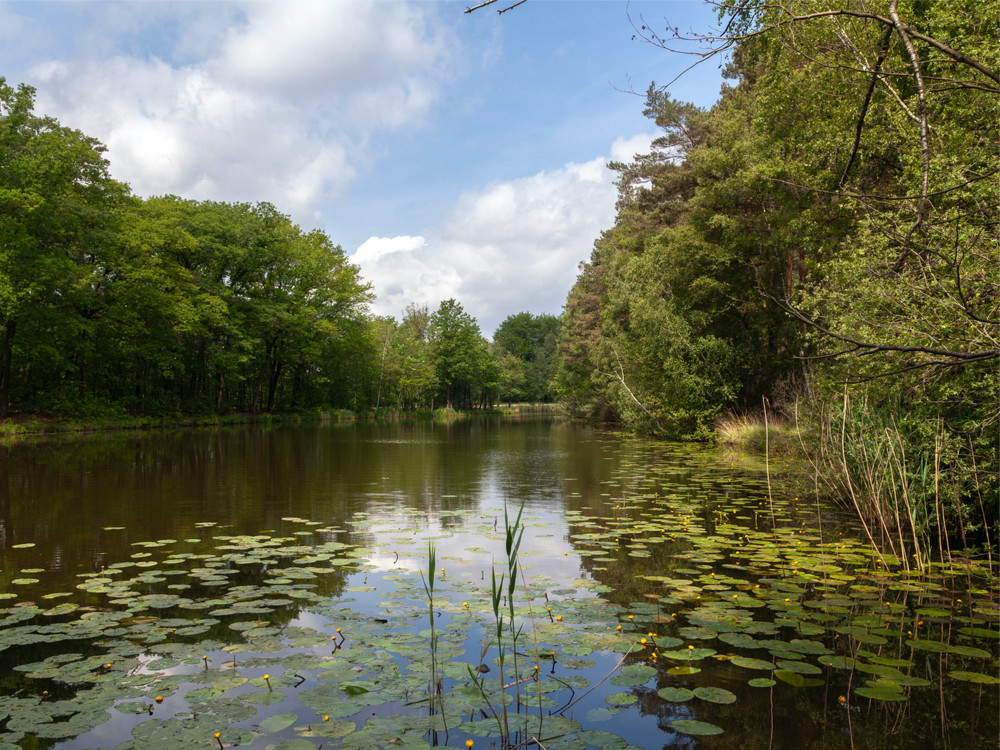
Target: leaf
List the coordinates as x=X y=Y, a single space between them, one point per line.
x=795 y=679
x=983 y=679
x=714 y=695
x=690 y=726
x=881 y=693
x=277 y=722
x=675 y=694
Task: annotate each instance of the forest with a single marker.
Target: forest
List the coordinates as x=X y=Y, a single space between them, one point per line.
x=819 y=247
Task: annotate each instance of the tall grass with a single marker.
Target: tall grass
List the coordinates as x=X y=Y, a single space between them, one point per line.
x=757 y=432
x=898 y=483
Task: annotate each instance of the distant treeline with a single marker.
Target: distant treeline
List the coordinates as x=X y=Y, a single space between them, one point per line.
x=113 y=304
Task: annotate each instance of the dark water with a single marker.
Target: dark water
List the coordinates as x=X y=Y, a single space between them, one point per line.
x=593 y=507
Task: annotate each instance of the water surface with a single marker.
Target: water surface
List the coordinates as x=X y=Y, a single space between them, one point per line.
x=763 y=615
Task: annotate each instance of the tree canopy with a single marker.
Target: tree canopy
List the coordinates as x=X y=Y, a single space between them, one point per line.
x=823 y=239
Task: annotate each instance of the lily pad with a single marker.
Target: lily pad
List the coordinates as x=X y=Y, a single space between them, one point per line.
x=277 y=722
x=714 y=695
x=881 y=693
x=620 y=699
x=983 y=679
x=690 y=726
x=675 y=694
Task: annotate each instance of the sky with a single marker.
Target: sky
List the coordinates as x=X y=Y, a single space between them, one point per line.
x=450 y=155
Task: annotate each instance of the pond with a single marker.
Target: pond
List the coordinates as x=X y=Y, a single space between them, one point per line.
x=331 y=585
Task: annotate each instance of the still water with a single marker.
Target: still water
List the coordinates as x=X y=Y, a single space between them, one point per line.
x=185 y=588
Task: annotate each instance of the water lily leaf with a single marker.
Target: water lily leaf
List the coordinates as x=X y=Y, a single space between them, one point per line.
x=277 y=722
x=684 y=670
x=807 y=647
x=984 y=679
x=714 y=695
x=601 y=739
x=331 y=728
x=690 y=726
x=620 y=699
x=970 y=651
x=761 y=682
x=881 y=693
x=633 y=675
x=689 y=654
x=800 y=667
x=980 y=632
x=748 y=663
x=927 y=645
x=795 y=679
x=263 y=697
x=837 y=662
x=675 y=694
x=294 y=744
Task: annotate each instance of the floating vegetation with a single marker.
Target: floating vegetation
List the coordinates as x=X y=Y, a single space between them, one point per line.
x=683 y=606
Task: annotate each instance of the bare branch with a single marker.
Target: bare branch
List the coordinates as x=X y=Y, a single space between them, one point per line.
x=909 y=368
x=620 y=377
x=954 y=357
x=873 y=196
x=925 y=148
x=876 y=69
x=900 y=27
x=481 y=5
x=511 y=7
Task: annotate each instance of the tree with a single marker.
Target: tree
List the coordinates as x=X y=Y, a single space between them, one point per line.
x=56 y=208
x=531 y=341
x=461 y=355
x=882 y=108
x=828 y=232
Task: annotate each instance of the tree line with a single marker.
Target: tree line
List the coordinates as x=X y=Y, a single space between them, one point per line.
x=111 y=304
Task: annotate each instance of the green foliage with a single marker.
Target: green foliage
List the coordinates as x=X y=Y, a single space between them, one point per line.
x=467 y=373
x=526 y=345
x=828 y=229
x=110 y=304
x=57 y=210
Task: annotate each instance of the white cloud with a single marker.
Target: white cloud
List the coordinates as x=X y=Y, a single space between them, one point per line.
x=510 y=247
x=367 y=61
x=376 y=248
x=623 y=149
x=279 y=109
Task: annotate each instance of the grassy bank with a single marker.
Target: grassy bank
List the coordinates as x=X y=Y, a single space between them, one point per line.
x=35 y=424
x=754 y=433
x=41 y=424
x=909 y=496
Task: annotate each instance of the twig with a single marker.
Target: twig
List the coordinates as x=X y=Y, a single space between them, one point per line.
x=876 y=71
x=925 y=148
x=602 y=681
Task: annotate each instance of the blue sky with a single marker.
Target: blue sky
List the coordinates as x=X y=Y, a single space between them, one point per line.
x=449 y=154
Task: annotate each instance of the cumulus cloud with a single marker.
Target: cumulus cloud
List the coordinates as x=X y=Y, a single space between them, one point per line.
x=623 y=149
x=509 y=247
x=277 y=106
